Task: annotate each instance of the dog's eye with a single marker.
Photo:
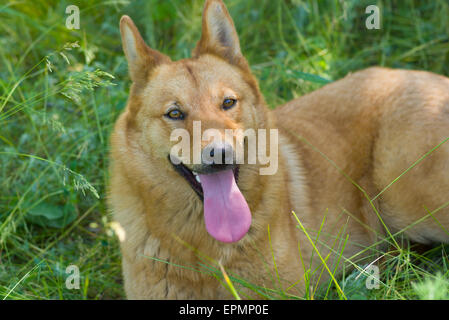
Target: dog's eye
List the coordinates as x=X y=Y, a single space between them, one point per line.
x=175 y=114
x=228 y=103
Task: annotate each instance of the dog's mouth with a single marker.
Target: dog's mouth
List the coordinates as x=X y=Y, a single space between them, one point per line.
x=194 y=180
x=227 y=215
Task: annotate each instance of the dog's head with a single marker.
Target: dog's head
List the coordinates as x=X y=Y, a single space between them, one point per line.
x=199 y=99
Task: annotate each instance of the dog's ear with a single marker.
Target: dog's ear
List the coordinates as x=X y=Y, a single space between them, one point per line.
x=141 y=58
x=219 y=36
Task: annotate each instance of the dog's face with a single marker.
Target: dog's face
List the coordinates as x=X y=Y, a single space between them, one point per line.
x=207 y=91
x=213 y=90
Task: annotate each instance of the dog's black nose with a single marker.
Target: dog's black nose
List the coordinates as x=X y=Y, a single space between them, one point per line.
x=217 y=153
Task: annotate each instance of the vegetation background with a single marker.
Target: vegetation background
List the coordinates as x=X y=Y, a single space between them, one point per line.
x=61 y=91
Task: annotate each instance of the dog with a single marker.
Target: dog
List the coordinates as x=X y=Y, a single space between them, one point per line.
x=360 y=161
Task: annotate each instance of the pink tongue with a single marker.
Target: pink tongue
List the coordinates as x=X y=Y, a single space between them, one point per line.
x=226 y=212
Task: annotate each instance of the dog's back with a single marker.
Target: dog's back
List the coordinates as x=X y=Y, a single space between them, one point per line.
x=374 y=125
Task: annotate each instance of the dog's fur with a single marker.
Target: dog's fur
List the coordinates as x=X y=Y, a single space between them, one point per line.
x=365 y=129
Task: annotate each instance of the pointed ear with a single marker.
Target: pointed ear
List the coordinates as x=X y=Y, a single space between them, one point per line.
x=219 y=36
x=141 y=58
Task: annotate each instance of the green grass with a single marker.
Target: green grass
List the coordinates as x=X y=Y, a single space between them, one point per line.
x=61 y=90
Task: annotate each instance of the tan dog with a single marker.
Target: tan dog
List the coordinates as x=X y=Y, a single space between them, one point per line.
x=338 y=146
